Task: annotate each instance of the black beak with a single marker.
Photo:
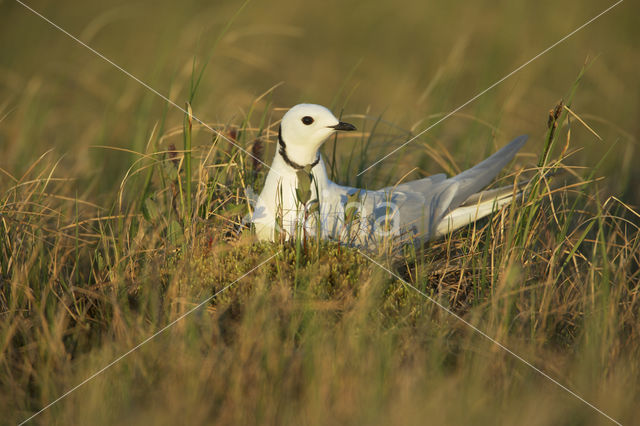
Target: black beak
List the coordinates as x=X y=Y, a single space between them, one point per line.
x=344 y=126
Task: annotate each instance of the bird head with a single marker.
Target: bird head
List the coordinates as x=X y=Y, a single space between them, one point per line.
x=304 y=129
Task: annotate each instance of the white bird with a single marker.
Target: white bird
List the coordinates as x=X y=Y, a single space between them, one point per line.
x=298 y=196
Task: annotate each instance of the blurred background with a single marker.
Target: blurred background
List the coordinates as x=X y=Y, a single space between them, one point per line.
x=406 y=63
x=326 y=338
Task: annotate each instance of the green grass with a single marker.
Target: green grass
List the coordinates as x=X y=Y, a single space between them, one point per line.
x=132 y=219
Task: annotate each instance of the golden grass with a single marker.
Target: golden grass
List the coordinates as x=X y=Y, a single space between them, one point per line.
x=319 y=334
x=104 y=240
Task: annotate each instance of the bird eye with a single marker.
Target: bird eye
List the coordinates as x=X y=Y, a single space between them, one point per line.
x=307 y=120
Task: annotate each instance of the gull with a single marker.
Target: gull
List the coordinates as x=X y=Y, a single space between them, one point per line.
x=299 y=199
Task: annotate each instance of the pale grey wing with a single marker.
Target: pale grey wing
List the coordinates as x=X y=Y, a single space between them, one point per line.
x=416 y=202
x=420 y=186
x=379 y=214
x=496 y=193
x=393 y=216
x=418 y=213
x=416 y=208
x=423 y=203
x=473 y=180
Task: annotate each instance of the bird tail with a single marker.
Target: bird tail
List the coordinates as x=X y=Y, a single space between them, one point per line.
x=478 y=206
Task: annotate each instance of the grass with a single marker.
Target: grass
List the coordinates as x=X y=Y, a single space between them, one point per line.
x=135 y=218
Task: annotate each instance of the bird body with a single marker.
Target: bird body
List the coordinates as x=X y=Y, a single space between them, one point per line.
x=298 y=195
